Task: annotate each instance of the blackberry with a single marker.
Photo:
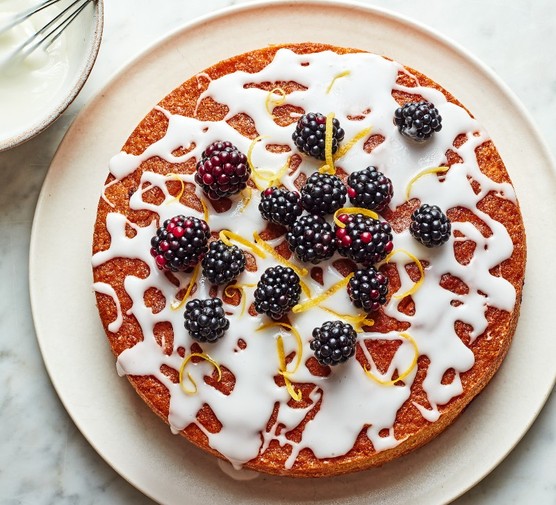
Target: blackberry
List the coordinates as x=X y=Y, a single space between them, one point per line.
x=205 y=320
x=430 y=226
x=418 y=120
x=277 y=291
x=223 y=263
x=280 y=206
x=364 y=239
x=370 y=189
x=311 y=239
x=222 y=171
x=334 y=342
x=323 y=194
x=180 y=243
x=367 y=289
x=310 y=133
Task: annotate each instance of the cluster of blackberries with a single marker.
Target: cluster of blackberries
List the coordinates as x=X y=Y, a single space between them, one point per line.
x=321 y=194
x=182 y=242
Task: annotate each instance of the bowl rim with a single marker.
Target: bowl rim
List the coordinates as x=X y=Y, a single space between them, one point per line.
x=20 y=138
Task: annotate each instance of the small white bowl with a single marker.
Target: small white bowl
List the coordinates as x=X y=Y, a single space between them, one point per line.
x=82 y=41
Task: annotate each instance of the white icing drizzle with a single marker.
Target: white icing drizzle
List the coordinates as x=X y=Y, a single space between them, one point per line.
x=348 y=399
x=107 y=289
x=240 y=475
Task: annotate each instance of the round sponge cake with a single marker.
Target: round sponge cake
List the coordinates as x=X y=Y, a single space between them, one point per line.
x=258 y=397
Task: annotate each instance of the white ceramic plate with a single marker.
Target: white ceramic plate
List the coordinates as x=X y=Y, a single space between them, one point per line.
x=105 y=408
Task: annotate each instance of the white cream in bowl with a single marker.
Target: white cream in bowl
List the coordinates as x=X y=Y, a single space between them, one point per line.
x=36 y=90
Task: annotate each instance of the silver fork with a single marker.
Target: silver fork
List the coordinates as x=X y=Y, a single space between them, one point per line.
x=48 y=33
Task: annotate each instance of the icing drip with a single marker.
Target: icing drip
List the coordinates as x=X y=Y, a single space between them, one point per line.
x=348 y=399
x=233 y=473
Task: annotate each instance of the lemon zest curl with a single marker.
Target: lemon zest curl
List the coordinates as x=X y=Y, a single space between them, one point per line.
x=312 y=302
x=283 y=369
x=357 y=321
x=254 y=170
x=328 y=142
x=270 y=101
x=246 y=196
x=192 y=282
x=401 y=377
x=227 y=236
x=329 y=157
x=177 y=198
x=352 y=210
x=344 y=149
x=415 y=260
x=422 y=173
x=201 y=355
x=241 y=289
x=301 y=272
x=345 y=73
x=205 y=210
x=270 y=177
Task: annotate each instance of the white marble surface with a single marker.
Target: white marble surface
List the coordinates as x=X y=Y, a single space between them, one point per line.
x=43 y=458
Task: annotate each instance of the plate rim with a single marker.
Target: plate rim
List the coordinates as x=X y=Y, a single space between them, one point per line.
x=214 y=16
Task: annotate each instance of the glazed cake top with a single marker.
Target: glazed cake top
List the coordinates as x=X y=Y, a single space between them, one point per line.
x=357 y=395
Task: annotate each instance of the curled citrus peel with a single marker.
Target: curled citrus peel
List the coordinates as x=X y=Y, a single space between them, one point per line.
x=254 y=170
x=415 y=260
x=246 y=196
x=241 y=288
x=422 y=173
x=192 y=282
x=277 y=178
x=343 y=150
x=296 y=395
x=357 y=321
x=270 y=102
x=201 y=355
x=265 y=174
x=177 y=198
x=283 y=368
x=312 y=302
x=270 y=177
x=205 y=210
x=352 y=210
x=410 y=339
x=328 y=144
x=329 y=168
x=301 y=272
x=227 y=236
x=336 y=77
x=325 y=169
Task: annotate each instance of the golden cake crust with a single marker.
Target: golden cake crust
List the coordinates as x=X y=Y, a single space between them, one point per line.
x=489 y=352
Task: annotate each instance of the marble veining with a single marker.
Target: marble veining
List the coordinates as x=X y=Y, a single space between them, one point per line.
x=44 y=460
